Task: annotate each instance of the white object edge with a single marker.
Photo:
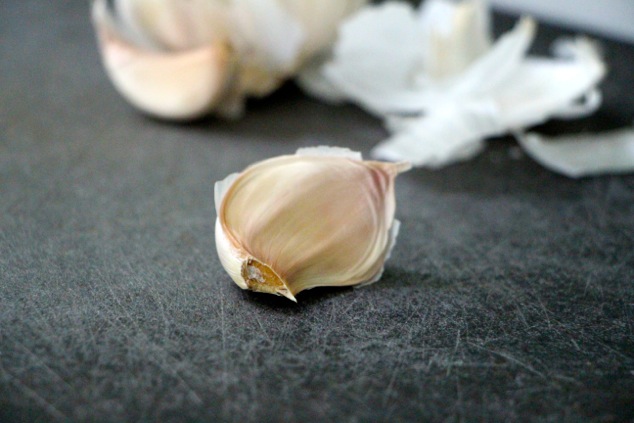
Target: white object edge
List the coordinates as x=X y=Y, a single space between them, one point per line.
x=610 y=18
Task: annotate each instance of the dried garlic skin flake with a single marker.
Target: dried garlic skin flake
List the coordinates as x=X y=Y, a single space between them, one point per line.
x=322 y=217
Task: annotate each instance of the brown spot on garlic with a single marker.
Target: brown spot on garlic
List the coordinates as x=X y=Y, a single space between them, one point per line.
x=261 y=278
x=322 y=217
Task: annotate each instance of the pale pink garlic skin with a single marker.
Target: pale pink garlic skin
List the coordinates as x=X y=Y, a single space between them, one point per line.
x=297 y=222
x=180 y=60
x=170 y=84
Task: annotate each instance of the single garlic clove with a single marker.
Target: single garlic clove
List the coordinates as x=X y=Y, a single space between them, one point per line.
x=322 y=217
x=172 y=85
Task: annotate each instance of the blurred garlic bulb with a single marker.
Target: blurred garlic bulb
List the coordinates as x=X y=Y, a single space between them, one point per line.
x=181 y=59
x=173 y=25
x=443 y=85
x=277 y=38
x=320 y=21
x=321 y=217
x=161 y=58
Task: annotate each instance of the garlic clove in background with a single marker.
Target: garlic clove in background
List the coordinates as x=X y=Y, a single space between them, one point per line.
x=322 y=217
x=320 y=20
x=275 y=39
x=268 y=41
x=180 y=85
x=453 y=36
x=180 y=59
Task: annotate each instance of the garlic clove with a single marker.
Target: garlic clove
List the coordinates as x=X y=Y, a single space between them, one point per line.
x=174 y=24
x=320 y=20
x=368 y=69
x=172 y=85
x=268 y=40
x=314 y=82
x=586 y=154
x=500 y=63
x=454 y=35
x=322 y=217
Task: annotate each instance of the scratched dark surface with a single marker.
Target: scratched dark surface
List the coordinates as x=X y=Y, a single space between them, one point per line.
x=510 y=295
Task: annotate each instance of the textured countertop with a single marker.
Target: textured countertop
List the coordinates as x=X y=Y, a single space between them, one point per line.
x=509 y=296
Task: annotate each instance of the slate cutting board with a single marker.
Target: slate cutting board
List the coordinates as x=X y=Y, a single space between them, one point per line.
x=509 y=296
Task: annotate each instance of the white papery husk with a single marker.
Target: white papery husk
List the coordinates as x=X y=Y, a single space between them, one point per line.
x=322 y=217
x=581 y=155
x=320 y=20
x=280 y=38
x=442 y=87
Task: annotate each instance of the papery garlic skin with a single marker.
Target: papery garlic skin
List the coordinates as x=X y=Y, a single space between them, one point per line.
x=320 y=20
x=322 y=217
x=275 y=39
x=585 y=154
x=173 y=25
x=453 y=36
x=443 y=86
x=149 y=83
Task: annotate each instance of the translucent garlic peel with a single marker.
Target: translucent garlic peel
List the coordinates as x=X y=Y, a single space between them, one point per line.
x=542 y=88
x=442 y=87
x=394 y=230
x=313 y=82
x=318 y=218
x=583 y=154
x=173 y=24
x=453 y=36
x=378 y=85
x=265 y=42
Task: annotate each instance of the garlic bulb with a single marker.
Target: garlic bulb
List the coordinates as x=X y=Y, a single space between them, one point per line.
x=320 y=20
x=276 y=39
x=443 y=86
x=585 y=154
x=180 y=59
x=321 y=217
x=153 y=70
x=173 y=25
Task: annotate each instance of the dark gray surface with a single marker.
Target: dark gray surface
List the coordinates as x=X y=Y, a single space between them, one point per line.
x=509 y=296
